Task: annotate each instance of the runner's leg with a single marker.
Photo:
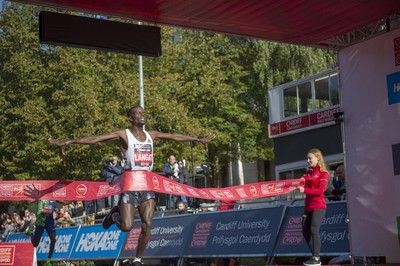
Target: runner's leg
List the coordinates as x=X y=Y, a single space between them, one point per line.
x=146 y=211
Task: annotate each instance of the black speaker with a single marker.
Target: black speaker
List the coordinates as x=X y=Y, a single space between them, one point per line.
x=99 y=34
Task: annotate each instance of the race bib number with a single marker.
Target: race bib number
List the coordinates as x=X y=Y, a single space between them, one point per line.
x=47 y=209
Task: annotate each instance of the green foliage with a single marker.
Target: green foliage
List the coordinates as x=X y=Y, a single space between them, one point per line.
x=206 y=84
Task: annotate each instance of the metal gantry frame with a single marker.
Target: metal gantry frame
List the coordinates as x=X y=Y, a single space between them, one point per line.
x=361 y=34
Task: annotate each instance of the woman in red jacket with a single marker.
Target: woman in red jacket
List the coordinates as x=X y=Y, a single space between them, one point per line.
x=315 y=182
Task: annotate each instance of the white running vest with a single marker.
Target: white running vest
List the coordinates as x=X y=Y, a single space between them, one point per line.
x=139 y=155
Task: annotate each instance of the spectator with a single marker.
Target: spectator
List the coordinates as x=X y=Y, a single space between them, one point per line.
x=183 y=172
x=183 y=175
x=171 y=170
x=8 y=228
x=110 y=172
x=177 y=172
x=61 y=211
x=204 y=208
x=338 y=189
x=56 y=214
x=13 y=215
x=226 y=205
x=31 y=226
x=27 y=215
x=90 y=206
x=33 y=218
x=16 y=220
x=315 y=182
x=19 y=223
x=66 y=220
x=78 y=212
x=3 y=218
x=181 y=207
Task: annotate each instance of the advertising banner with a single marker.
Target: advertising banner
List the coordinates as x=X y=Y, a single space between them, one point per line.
x=16 y=254
x=65 y=238
x=309 y=121
x=334 y=232
x=93 y=242
x=18 y=238
x=169 y=235
x=235 y=233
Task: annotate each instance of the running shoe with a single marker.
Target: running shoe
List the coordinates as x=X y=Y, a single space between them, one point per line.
x=107 y=220
x=313 y=261
x=132 y=262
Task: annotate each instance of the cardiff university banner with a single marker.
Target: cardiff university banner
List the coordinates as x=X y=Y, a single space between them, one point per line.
x=226 y=233
x=334 y=232
x=137 y=181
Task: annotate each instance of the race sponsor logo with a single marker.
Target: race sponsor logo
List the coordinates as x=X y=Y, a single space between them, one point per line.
x=98 y=241
x=104 y=190
x=272 y=188
x=200 y=235
x=253 y=190
x=60 y=190
x=132 y=239
x=19 y=190
x=156 y=183
x=242 y=193
x=205 y=194
x=193 y=192
x=221 y=194
x=81 y=190
x=7 y=254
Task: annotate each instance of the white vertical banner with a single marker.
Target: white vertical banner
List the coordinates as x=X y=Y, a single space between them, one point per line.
x=370 y=87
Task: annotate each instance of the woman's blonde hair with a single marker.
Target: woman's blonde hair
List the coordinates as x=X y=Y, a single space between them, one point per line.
x=321 y=161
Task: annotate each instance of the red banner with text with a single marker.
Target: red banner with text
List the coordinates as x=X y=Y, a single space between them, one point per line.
x=137 y=181
x=16 y=254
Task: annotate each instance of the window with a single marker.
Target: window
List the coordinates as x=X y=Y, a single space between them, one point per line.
x=297 y=99
x=311 y=95
x=290 y=101
x=334 y=89
x=326 y=91
x=305 y=97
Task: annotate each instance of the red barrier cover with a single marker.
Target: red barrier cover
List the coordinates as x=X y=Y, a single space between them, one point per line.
x=16 y=254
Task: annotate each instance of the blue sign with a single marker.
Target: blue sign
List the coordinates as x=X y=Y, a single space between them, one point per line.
x=235 y=233
x=93 y=242
x=18 y=238
x=334 y=232
x=393 y=87
x=168 y=237
x=65 y=238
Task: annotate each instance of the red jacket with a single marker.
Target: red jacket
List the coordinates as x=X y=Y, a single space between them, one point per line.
x=314 y=187
x=225 y=205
